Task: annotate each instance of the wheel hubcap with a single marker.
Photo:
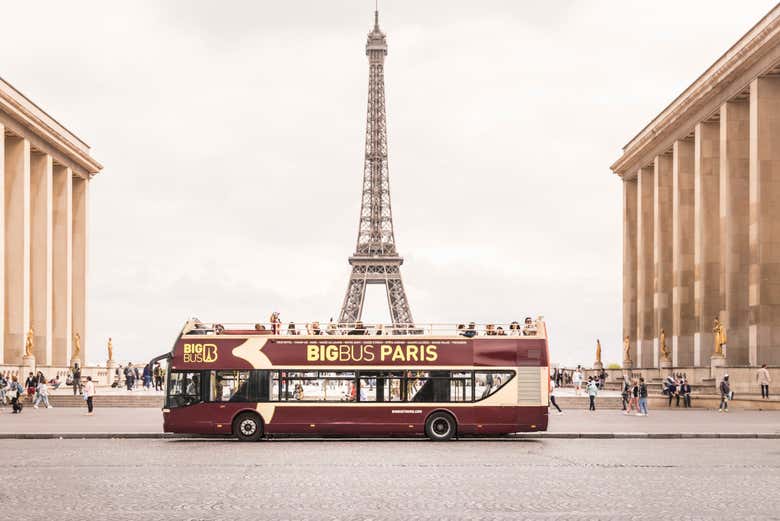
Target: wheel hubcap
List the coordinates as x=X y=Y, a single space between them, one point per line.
x=441 y=427
x=248 y=427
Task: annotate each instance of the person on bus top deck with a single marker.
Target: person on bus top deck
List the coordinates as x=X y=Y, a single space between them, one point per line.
x=291 y=329
x=490 y=330
x=315 y=328
x=500 y=331
x=358 y=330
x=380 y=329
x=514 y=328
x=471 y=331
x=276 y=322
x=529 y=329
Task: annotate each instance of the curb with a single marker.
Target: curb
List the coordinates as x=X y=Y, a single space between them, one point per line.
x=518 y=436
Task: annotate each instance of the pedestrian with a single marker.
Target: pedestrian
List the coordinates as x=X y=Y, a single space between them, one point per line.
x=577 y=381
x=670 y=388
x=633 y=398
x=602 y=378
x=685 y=392
x=158 y=377
x=42 y=395
x=625 y=393
x=763 y=378
x=136 y=376
x=129 y=376
x=147 y=377
x=76 y=379
x=89 y=394
x=15 y=393
x=31 y=384
x=725 y=394
x=593 y=390
x=642 y=392
x=552 y=396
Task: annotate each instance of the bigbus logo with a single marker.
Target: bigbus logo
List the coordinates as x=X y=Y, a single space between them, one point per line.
x=200 y=353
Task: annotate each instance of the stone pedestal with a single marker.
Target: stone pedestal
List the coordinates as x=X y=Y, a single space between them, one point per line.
x=598 y=366
x=110 y=369
x=665 y=366
x=628 y=364
x=28 y=366
x=717 y=361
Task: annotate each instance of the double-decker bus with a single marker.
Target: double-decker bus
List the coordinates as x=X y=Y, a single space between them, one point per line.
x=433 y=380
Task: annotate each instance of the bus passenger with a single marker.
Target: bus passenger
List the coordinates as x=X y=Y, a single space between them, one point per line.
x=291 y=329
x=490 y=330
x=276 y=323
x=471 y=331
x=315 y=328
x=379 y=329
x=359 y=329
x=529 y=329
x=500 y=331
x=514 y=328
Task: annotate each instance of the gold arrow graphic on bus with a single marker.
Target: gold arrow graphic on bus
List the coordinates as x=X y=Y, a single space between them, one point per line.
x=252 y=352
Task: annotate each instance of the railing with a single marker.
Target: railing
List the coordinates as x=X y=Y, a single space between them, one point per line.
x=527 y=328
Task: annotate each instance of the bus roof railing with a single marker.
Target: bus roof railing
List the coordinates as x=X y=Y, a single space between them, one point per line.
x=527 y=328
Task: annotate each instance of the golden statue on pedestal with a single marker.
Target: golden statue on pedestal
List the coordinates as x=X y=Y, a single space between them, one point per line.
x=76 y=346
x=719 y=336
x=627 y=349
x=598 y=351
x=110 y=350
x=664 y=350
x=28 y=343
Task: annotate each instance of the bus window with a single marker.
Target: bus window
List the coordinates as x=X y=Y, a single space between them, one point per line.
x=460 y=387
x=488 y=382
x=331 y=386
x=184 y=389
x=232 y=386
x=433 y=386
x=388 y=386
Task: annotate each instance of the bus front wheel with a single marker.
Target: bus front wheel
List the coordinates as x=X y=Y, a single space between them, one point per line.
x=248 y=427
x=440 y=426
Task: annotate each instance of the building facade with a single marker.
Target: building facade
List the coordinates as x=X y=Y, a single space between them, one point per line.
x=701 y=215
x=45 y=172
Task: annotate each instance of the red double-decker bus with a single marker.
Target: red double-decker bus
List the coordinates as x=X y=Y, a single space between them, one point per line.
x=438 y=381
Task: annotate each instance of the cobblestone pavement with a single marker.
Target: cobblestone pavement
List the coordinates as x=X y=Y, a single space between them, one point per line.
x=405 y=480
x=69 y=419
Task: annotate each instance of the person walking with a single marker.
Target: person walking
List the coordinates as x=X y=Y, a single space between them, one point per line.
x=633 y=397
x=129 y=376
x=89 y=394
x=576 y=379
x=593 y=390
x=76 y=379
x=763 y=379
x=725 y=394
x=147 y=376
x=15 y=394
x=158 y=380
x=642 y=392
x=552 y=395
x=625 y=393
x=42 y=396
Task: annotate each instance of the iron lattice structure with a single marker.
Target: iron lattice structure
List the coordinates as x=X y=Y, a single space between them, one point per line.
x=376 y=260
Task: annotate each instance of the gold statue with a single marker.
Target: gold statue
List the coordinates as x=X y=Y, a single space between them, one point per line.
x=76 y=345
x=664 y=350
x=110 y=349
x=28 y=343
x=598 y=351
x=627 y=349
x=719 y=336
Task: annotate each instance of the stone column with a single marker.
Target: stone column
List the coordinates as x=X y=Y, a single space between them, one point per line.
x=644 y=246
x=662 y=253
x=2 y=242
x=683 y=317
x=79 y=281
x=17 y=247
x=764 y=278
x=630 y=267
x=62 y=274
x=41 y=255
x=735 y=244
x=707 y=237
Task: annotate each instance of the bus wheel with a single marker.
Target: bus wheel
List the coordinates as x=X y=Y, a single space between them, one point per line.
x=248 y=427
x=440 y=426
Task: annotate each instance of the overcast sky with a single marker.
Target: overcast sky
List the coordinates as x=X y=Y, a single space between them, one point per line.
x=232 y=139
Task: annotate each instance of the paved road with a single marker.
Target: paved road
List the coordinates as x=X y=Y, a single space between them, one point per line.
x=150 y=420
x=406 y=480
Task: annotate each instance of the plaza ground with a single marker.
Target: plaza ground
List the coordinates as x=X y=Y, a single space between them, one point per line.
x=419 y=480
x=149 y=420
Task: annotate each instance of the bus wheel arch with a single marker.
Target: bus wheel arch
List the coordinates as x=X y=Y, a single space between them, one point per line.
x=248 y=426
x=441 y=425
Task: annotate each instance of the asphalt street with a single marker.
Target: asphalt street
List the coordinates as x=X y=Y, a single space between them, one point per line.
x=377 y=480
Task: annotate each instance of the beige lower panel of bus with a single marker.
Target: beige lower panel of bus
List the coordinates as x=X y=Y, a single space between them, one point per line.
x=529 y=387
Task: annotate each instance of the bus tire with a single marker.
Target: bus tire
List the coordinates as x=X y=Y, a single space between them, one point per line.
x=440 y=426
x=248 y=427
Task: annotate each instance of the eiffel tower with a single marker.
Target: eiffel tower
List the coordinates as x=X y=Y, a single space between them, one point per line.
x=376 y=260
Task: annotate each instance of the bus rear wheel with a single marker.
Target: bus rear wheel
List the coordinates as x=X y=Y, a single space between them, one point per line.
x=440 y=426
x=248 y=427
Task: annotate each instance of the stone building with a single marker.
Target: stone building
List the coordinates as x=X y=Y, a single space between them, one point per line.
x=701 y=214
x=44 y=172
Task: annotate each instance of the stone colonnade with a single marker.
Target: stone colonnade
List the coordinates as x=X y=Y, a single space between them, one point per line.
x=43 y=252
x=702 y=238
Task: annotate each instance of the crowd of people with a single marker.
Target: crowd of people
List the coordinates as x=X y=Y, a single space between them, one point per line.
x=36 y=389
x=132 y=378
